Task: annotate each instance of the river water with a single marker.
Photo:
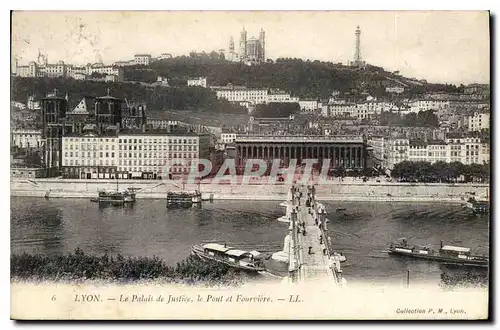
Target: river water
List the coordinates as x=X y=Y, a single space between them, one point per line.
x=363 y=231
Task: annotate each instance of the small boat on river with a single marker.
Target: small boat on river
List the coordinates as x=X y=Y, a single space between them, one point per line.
x=446 y=254
x=478 y=206
x=248 y=261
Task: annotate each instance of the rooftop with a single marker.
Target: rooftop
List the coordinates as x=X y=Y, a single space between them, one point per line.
x=300 y=138
x=455 y=248
x=236 y=253
x=216 y=247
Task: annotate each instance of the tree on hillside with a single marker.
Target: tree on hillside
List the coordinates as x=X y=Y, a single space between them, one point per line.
x=275 y=109
x=156 y=98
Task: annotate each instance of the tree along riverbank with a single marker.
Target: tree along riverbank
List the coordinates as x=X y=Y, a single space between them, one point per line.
x=80 y=266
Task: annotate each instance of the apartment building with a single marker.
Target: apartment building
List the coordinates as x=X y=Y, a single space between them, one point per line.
x=227 y=137
x=132 y=154
x=395 y=151
x=479 y=121
x=309 y=105
x=343 y=110
x=241 y=94
x=281 y=97
x=90 y=156
x=142 y=59
x=150 y=155
x=378 y=143
x=468 y=150
x=26 y=138
x=425 y=105
x=395 y=89
x=428 y=151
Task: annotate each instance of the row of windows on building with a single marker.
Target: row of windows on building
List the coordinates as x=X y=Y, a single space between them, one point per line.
x=430 y=154
x=85 y=147
x=140 y=140
x=174 y=170
x=160 y=140
x=70 y=154
x=107 y=171
x=160 y=147
x=470 y=140
x=121 y=162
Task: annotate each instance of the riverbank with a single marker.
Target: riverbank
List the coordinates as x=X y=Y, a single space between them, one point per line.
x=80 y=266
x=332 y=191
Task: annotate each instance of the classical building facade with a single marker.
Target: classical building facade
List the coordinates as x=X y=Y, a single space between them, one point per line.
x=349 y=152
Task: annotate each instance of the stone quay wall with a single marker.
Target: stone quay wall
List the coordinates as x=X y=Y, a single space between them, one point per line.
x=349 y=191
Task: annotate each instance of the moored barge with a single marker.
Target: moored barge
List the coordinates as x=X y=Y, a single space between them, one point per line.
x=183 y=198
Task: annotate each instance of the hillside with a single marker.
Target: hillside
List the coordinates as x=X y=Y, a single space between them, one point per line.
x=155 y=97
x=305 y=79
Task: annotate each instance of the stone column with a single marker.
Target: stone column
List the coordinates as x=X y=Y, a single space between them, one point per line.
x=359 y=157
x=362 y=157
x=352 y=157
x=342 y=156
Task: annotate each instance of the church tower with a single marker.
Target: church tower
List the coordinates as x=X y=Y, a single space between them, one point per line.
x=262 y=42
x=243 y=44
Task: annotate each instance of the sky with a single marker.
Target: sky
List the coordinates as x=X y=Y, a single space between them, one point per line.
x=439 y=46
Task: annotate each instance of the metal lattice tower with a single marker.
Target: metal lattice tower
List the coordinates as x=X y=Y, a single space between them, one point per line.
x=357 y=53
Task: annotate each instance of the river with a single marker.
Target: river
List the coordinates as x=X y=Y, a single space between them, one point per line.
x=363 y=231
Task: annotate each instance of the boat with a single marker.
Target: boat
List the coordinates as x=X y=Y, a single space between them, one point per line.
x=340 y=209
x=183 y=198
x=115 y=197
x=477 y=206
x=446 y=254
x=239 y=259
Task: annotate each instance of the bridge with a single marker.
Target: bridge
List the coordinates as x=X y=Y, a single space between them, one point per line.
x=310 y=255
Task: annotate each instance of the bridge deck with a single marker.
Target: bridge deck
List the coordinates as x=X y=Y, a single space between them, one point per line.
x=314 y=259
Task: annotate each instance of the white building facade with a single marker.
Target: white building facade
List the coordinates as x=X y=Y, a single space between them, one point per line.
x=200 y=81
x=425 y=105
x=227 y=137
x=479 y=121
x=142 y=59
x=24 y=138
x=242 y=94
x=89 y=156
x=152 y=155
x=132 y=155
x=309 y=105
x=281 y=97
